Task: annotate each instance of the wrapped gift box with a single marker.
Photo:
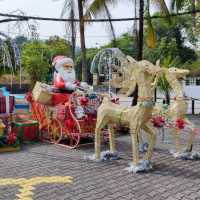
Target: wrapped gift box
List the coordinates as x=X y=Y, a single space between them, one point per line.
x=27 y=130
x=42 y=93
x=7 y=104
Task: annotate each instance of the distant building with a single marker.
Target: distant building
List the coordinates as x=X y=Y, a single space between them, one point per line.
x=192 y=86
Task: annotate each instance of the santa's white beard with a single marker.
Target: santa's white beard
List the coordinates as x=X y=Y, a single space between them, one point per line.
x=68 y=75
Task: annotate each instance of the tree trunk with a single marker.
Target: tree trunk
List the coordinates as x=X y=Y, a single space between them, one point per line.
x=167 y=95
x=82 y=40
x=114 y=43
x=73 y=39
x=135 y=29
x=140 y=45
x=194 y=14
x=141 y=32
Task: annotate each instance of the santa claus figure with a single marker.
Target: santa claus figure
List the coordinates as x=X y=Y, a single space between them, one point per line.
x=64 y=75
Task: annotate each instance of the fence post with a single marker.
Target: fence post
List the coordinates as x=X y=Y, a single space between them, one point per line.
x=193 y=107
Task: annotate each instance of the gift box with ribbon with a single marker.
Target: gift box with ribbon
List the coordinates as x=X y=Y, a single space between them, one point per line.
x=6 y=104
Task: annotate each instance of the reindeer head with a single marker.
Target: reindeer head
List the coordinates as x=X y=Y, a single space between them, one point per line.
x=176 y=74
x=150 y=68
x=122 y=74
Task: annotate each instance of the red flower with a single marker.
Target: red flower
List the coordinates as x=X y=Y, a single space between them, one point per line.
x=84 y=101
x=158 y=121
x=180 y=123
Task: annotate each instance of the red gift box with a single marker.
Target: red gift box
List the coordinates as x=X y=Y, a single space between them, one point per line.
x=30 y=133
x=3 y=100
x=59 y=98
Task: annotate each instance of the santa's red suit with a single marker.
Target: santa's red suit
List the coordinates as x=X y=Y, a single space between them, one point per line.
x=64 y=75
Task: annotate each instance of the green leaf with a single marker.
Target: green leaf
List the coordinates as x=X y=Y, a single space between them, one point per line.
x=163 y=9
x=151 y=35
x=97 y=7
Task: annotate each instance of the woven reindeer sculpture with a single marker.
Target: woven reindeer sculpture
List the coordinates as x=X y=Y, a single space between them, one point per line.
x=177 y=111
x=145 y=75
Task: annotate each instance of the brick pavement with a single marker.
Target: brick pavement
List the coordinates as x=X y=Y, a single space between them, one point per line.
x=171 y=179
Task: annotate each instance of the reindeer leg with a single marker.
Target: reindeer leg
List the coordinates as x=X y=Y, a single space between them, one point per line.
x=190 y=141
x=112 y=154
x=97 y=143
x=135 y=148
x=188 y=154
x=191 y=137
x=111 y=138
x=101 y=123
x=143 y=165
x=143 y=145
x=134 y=166
x=152 y=139
x=176 y=136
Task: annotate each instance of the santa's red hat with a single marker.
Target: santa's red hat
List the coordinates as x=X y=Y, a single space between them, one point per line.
x=57 y=59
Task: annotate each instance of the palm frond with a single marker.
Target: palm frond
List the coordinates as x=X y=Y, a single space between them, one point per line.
x=67 y=5
x=97 y=7
x=173 y=5
x=151 y=35
x=176 y=5
x=163 y=9
x=110 y=26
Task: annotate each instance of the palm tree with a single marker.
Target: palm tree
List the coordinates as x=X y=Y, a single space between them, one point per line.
x=82 y=39
x=101 y=8
x=97 y=6
x=74 y=9
x=141 y=30
x=179 y=5
x=70 y=26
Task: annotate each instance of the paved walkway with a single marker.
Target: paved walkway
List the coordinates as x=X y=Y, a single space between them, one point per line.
x=30 y=171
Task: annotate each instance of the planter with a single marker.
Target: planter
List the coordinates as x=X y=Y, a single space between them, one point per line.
x=9 y=149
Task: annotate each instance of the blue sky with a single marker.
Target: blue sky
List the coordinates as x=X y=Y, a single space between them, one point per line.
x=95 y=34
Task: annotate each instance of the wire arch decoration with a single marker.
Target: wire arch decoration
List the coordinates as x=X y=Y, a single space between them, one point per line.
x=28 y=28
x=11 y=58
x=7 y=55
x=106 y=62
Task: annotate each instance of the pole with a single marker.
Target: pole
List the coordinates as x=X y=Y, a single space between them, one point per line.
x=73 y=39
x=141 y=31
x=82 y=39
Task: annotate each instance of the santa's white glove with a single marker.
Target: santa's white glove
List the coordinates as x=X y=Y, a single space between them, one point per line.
x=70 y=86
x=84 y=85
x=91 y=89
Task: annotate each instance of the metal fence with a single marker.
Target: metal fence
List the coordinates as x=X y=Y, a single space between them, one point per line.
x=193 y=104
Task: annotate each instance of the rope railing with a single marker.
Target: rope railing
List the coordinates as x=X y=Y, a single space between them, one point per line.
x=193 y=107
x=26 y=17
